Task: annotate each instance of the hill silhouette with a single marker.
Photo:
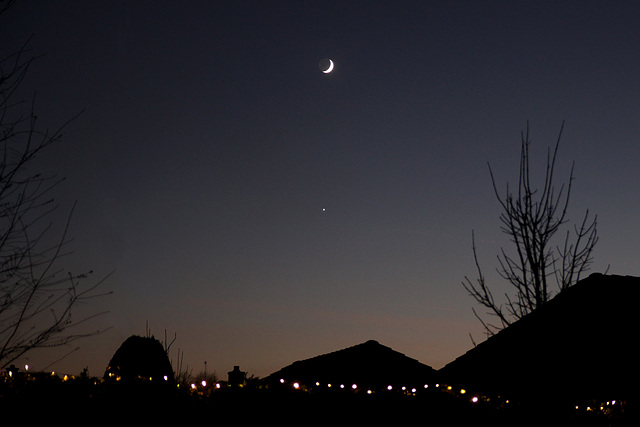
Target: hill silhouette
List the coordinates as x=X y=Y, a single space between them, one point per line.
x=369 y=364
x=579 y=345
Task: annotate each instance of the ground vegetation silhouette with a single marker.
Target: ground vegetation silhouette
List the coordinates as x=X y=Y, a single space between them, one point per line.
x=37 y=298
x=140 y=358
x=545 y=250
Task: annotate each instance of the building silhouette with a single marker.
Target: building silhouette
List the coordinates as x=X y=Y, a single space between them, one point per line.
x=237 y=378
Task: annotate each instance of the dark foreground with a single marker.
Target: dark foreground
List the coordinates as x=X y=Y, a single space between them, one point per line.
x=81 y=403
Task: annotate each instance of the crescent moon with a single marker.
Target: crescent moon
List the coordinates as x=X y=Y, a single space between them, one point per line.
x=330 y=68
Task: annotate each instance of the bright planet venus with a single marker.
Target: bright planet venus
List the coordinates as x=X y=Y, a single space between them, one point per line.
x=326 y=65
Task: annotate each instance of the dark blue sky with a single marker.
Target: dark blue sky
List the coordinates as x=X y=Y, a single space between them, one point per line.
x=266 y=212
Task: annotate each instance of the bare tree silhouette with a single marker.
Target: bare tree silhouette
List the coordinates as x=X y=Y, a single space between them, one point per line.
x=36 y=297
x=532 y=218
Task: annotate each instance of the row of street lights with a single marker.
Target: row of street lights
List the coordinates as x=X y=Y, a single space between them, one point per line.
x=406 y=390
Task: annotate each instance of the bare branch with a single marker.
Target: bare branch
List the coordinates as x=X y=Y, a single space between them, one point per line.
x=531 y=218
x=37 y=301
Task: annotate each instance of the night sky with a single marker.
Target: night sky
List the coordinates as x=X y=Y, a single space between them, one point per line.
x=265 y=212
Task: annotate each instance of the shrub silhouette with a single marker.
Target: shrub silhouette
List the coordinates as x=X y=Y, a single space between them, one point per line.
x=140 y=359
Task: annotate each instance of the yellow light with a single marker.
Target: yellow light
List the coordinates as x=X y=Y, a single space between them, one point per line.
x=426 y=386
x=166 y=378
x=281 y=380
x=449 y=388
x=26 y=367
x=369 y=392
x=193 y=386
x=463 y=391
x=217 y=385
